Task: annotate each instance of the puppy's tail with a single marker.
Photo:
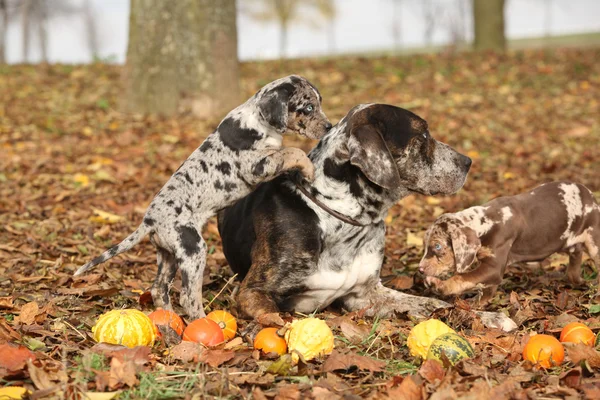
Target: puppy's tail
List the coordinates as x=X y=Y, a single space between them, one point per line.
x=125 y=245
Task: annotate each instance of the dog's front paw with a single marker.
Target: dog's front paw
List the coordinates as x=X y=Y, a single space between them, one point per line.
x=308 y=171
x=434 y=283
x=496 y=320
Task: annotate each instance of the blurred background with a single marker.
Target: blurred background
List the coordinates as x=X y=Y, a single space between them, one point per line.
x=80 y=31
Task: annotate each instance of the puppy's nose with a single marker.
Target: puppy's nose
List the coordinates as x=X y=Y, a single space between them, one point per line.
x=328 y=126
x=467 y=162
x=421 y=269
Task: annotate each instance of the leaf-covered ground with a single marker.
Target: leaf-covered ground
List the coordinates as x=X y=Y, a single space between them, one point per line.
x=68 y=157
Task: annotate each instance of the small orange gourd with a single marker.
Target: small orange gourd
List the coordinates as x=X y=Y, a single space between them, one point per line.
x=544 y=350
x=205 y=331
x=167 y=317
x=576 y=332
x=127 y=327
x=226 y=322
x=268 y=341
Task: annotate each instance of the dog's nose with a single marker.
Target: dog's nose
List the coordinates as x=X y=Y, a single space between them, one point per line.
x=468 y=162
x=328 y=126
x=421 y=269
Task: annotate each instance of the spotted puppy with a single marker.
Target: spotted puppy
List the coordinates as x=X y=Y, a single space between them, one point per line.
x=554 y=217
x=245 y=150
x=300 y=247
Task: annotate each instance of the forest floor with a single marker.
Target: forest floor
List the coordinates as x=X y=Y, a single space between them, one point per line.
x=67 y=154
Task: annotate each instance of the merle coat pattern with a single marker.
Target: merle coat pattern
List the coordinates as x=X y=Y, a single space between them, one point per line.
x=473 y=247
x=293 y=255
x=245 y=150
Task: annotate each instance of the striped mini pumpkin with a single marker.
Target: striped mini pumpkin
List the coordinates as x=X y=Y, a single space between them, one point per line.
x=127 y=327
x=454 y=346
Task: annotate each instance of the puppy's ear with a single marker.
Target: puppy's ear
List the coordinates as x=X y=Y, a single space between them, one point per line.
x=465 y=244
x=273 y=106
x=369 y=152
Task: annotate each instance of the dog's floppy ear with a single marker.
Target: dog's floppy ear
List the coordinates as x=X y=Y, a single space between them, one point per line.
x=369 y=152
x=465 y=244
x=273 y=106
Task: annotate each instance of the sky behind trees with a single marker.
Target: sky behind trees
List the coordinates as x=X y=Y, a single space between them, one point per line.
x=358 y=26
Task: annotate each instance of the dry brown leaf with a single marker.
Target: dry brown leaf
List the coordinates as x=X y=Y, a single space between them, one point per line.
x=8 y=334
x=409 y=389
x=6 y=302
x=338 y=361
x=14 y=358
x=432 y=370
x=352 y=331
x=122 y=373
x=320 y=393
x=187 y=351
x=28 y=313
x=216 y=357
x=580 y=352
x=289 y=392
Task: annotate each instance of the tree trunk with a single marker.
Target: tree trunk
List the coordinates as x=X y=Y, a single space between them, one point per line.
x=283 y=30
x=90 y=29
x=42 y=20
x=488 y=18
x=3 y=30
x=182 y=56
x=26 y=15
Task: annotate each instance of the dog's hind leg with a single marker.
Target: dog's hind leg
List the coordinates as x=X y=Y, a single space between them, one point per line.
x=167 y=267
x=192 y=260
x=574 y=267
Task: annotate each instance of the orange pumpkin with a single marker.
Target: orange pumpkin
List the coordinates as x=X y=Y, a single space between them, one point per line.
x=166 y=317
x=226 y=322
x=127 y=327
x=269 y=341
x=576 y=332
x=544 y=350
x=205 y=331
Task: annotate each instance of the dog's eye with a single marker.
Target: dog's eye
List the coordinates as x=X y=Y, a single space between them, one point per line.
x=309 y=108
x=437 y=247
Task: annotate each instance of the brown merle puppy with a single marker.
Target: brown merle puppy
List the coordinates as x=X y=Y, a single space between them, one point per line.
x=473 y=247
x=292 y=254
x=245 y=150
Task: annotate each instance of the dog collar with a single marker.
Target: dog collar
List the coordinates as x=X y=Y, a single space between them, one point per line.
x=334 y=213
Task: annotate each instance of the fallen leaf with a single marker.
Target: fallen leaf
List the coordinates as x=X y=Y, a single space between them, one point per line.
x=270 y=319
x=28 y=313
x=353 y=332
x=103 y=217
x=122 y=373
x=432 y=371
x=413 y=240
x=13 y=358
x=101 y=396
x=282 y=366
x=338 y=361
x=8 y=334
x=6 y=302
x=187 y=351
x=580 y=352
x=409 y=389
x=216 y=357
x=571 y=378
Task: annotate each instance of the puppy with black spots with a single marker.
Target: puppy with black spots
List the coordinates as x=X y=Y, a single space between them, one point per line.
x=245 y=150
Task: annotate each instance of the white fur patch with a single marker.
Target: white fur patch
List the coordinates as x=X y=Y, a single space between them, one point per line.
x=506 y=214
x=571 y=198
x=327 y=285
x=476 y=219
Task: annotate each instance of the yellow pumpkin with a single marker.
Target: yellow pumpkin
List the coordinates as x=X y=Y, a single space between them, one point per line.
x=127 y=327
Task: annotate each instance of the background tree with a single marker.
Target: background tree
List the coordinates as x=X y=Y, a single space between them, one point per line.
x=286 y=12
x=182 y=56
x=3 y=29
x=397 y=23
x=488 y=20
x=91 y=29
x=431 y=11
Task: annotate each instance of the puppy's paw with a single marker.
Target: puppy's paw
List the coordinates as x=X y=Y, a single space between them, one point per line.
x=433 y=282
x=308 y=171
x=496 y=320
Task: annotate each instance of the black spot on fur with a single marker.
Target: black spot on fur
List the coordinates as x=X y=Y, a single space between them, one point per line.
x=178 y=210
x=218 y=185
x=149 y=221
x=188 y=178
x=189 y=208
x=224 y=167
x=171 y=187
x=206 y=146
x=229 y=186
x=190 y=239
x=259 y=168
x=344 y=172
x=113 y=250
x=170 y=203
x=204 y=166
x=235 y=137
x=185 y=280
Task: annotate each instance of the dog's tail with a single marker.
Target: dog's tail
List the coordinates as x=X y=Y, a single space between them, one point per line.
x=125 y=245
